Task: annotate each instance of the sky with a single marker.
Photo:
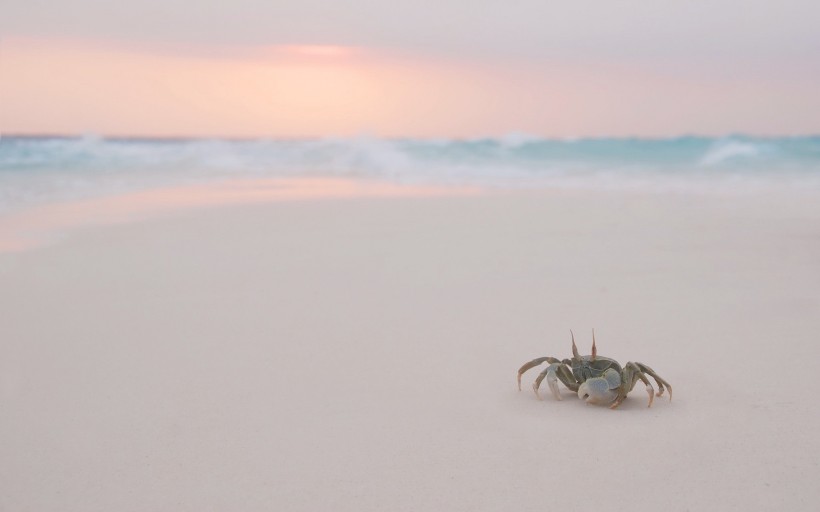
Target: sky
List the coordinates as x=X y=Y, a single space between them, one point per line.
x=446 y=68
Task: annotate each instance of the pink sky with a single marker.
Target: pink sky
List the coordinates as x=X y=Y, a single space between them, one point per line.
x=96 y=86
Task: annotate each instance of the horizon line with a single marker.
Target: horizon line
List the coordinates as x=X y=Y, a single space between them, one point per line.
x=365 y=135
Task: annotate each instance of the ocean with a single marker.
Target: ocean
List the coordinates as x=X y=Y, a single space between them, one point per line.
x=38 y=170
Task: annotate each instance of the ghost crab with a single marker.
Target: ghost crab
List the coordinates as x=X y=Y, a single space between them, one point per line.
x=597 y=380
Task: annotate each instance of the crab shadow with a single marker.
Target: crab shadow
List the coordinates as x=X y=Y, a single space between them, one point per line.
x=631 y=403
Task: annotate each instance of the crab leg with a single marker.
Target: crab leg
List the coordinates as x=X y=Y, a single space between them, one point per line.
x=661 y=383
x=629 y=377
x=554 y=372
x=552 y=380
x=532 y=364
x=566 y=377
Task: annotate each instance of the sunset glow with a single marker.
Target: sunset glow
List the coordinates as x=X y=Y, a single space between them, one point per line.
x=317 y=50
x=98 y=87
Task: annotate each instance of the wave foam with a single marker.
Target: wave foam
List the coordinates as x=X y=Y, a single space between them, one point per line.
x=35 y=170
x=724 y=151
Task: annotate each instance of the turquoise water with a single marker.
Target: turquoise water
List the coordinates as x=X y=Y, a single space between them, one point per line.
x=42 y=169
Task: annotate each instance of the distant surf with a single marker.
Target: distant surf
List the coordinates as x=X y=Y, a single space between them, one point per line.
x=37 y=170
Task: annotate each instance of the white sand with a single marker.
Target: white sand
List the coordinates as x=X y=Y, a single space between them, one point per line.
x=360 y=354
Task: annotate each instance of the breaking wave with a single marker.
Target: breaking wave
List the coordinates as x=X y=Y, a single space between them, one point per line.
x=40 y=169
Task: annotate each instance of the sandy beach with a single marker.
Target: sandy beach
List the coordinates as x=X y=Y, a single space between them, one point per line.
x=360 y=354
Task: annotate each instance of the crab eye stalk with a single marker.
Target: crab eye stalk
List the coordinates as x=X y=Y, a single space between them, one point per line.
x=574 y=348
x=594 y=349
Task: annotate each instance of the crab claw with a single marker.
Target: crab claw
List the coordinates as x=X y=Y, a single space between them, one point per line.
x=600 y=390
x=596 y=391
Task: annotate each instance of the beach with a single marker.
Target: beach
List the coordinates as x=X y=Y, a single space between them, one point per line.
x=359 y=353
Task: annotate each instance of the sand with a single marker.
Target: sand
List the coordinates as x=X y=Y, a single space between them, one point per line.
x=360 y=353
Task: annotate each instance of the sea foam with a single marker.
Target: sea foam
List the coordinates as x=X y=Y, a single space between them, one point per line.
x=37 y=170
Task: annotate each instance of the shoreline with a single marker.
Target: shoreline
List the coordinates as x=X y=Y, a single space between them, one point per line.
x=46 y=224
x=40 y=225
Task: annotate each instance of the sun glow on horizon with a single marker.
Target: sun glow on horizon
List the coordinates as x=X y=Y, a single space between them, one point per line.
x=306 y=90
x=318 y=50
x=285 y=90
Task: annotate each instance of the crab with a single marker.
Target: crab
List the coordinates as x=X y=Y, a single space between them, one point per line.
x=598 y=380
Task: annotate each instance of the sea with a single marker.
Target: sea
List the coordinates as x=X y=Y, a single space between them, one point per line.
x=43 y=169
